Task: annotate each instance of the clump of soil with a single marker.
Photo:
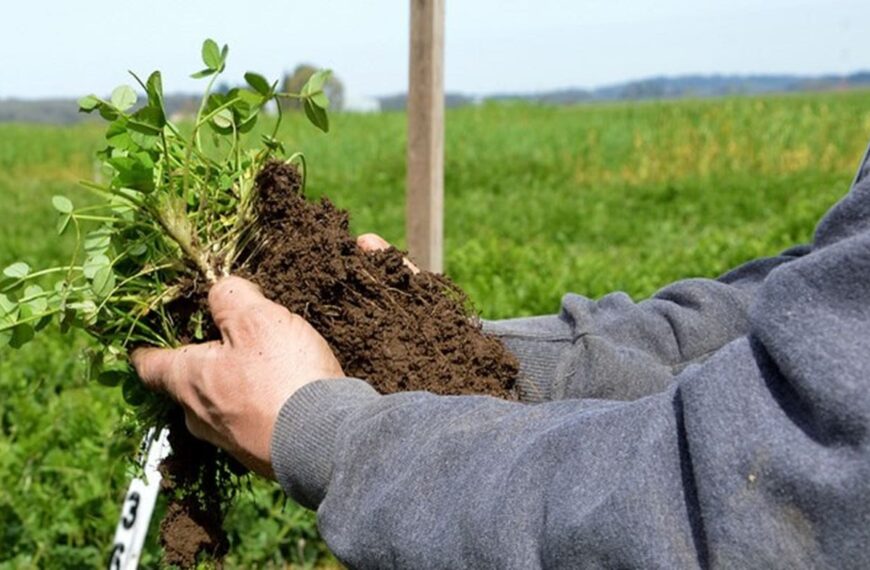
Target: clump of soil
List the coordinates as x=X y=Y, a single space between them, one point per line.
x=393 y=328
x=197 y=479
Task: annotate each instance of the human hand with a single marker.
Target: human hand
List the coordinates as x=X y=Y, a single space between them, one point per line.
x=374 y=242
x=232 y=390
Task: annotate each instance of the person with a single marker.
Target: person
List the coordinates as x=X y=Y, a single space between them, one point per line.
x=721 y=423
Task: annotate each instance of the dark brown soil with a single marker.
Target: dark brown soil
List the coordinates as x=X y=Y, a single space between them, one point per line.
x=397 y=330
x=197 y=491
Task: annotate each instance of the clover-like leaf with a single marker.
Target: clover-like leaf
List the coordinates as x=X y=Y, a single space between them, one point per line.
x=103 y=282
x=7 y=323
x=18 y=270
x=317 y=115
x=8 y=306
x=98 y=241
x=62 y=204
x=34 y=297
x=320 y=99
x=223 y=119
x=154 y=88
x=123 y=97
x=94 y=264
x=203 y=73
x=211 y=54
x=21 y=335
x=259 y=83
x=316 y=82
x=88 y=103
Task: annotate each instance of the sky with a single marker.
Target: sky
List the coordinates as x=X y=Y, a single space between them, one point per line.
x=60 y=48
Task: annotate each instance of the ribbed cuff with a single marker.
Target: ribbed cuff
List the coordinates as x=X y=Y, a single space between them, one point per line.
x=538 y=343
x=303 y=441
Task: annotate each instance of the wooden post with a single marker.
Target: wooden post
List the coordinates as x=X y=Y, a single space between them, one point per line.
x=424 y=225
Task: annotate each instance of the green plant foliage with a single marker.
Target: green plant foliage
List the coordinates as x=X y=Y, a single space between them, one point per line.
x=169 y=207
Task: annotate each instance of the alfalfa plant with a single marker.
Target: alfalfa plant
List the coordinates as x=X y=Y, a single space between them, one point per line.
x=171 y=209
x=175 y=210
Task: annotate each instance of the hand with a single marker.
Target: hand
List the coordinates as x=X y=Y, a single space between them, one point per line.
x=232 y=390
x=374 y=242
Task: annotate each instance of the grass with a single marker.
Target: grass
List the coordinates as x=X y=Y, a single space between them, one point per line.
x=539 y=201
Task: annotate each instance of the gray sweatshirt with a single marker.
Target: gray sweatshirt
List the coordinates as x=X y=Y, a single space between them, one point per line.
x=721 y=423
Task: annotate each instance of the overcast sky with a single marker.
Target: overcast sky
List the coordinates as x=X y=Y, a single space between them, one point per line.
x=63 y=48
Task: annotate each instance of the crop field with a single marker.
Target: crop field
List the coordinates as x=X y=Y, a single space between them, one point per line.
x=539 y=201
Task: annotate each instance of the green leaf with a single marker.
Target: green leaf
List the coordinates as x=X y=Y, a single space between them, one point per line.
x=94 y=264
x=88 y=103
x=82 y=312
x=123 y=97
x=63 y=223
x=223 y=119
x=5 y=333
x=135 y=171
x=202 y=73
x=154 y=88
x=259 y=83
x=320 y=99
x=40 y=303
x=62 y=204
x=316 y=115
x=211 y=54
x=249 y=101
x=248 y=124
x=18 y=270
x=7 y=306
x=21 y=335
x=317 y=80
x=103 y=282
x=108 y=112
x=148 y=120
x=118 y=136
x=98 y=241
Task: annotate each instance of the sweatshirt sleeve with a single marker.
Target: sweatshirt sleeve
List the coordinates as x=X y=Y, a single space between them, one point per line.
x=618 y=349
x=756 y=457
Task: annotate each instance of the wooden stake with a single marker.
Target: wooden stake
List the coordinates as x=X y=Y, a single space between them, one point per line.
x=425 y=183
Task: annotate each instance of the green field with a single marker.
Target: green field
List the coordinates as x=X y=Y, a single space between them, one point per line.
x=539 y=201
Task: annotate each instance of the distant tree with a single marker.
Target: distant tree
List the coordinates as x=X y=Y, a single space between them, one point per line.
x=293 y=83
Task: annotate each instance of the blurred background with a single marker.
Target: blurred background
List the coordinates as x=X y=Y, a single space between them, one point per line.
x=591 y=146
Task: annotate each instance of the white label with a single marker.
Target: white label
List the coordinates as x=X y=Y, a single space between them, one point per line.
x=138 y=505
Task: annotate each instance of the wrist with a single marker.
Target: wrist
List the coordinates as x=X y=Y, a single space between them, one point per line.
x=305 y=434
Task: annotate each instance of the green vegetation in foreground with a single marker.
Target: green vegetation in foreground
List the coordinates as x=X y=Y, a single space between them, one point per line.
x=540 y=201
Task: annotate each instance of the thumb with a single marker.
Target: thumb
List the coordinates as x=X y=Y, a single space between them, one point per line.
x=154 y=367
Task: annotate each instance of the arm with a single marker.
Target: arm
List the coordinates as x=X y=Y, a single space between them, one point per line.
x=756 y=457
x=616 y=349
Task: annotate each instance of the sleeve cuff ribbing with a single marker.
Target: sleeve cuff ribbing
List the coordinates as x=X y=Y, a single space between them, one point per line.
x=304 y=437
